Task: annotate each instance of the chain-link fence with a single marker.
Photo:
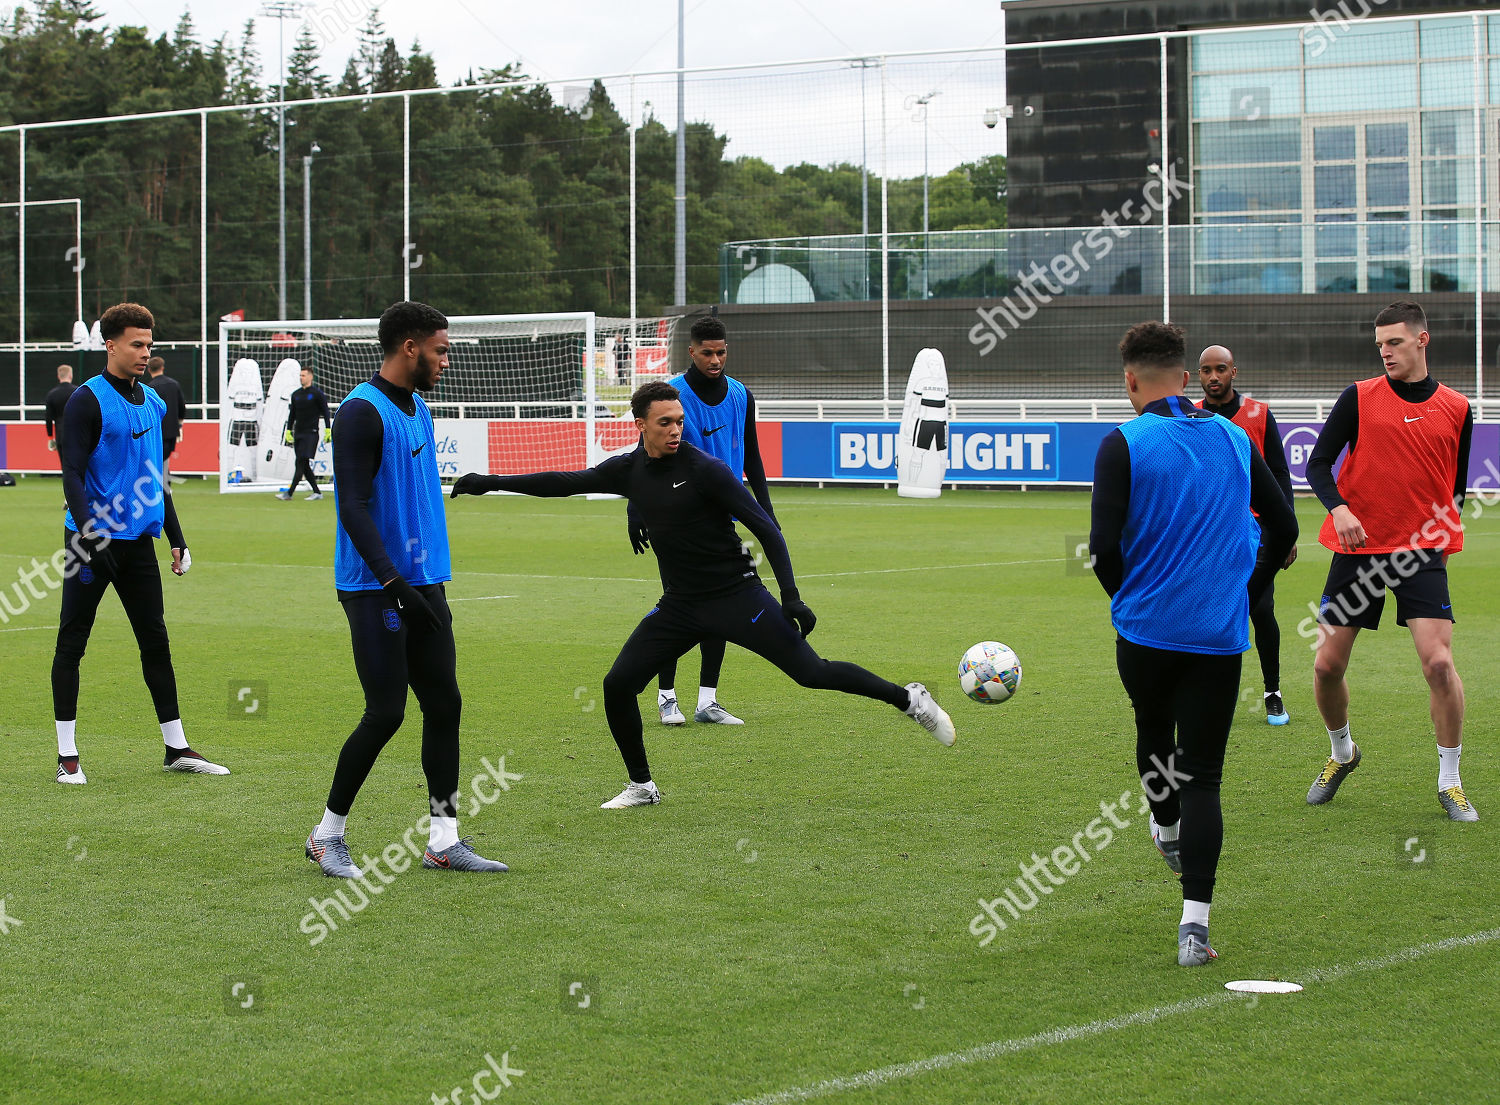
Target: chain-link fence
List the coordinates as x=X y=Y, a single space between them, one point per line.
x=842 y=214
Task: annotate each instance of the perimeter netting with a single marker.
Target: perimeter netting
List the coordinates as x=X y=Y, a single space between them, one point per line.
x=521 y=393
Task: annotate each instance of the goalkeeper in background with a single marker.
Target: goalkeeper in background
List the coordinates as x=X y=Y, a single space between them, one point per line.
x=689 y=501
x=308 y=407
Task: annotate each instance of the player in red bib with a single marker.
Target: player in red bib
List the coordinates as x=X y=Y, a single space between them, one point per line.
x=1394 y=516
x=1216 y=375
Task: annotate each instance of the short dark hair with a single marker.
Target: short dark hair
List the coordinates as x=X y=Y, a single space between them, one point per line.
x=1403 y=311
x=121 y=317
x=1154 y=346
x=657 y=391
x=156 y=365
x=407 y=319
x=708 y=328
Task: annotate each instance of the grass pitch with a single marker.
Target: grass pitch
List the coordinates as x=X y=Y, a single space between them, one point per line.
x=793 y=922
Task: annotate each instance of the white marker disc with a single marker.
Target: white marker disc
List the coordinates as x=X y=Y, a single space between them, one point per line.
x=1259 y=986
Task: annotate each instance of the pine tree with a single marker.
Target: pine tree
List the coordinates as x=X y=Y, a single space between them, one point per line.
x=303 y=76
x=244 y=69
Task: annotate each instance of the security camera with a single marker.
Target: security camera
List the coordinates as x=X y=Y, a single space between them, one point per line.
x=991 y=118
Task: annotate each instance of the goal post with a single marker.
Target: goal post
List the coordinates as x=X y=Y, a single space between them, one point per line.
x=521 y=393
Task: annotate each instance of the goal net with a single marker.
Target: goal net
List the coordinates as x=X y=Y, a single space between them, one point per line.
x=521 y=393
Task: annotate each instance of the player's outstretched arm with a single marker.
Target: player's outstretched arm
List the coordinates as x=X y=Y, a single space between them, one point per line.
x=607 y=478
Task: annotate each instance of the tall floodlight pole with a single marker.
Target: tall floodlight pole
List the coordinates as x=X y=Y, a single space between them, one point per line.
x=864 y=171
x=924 y=101
x=679 y=288
x=281 y=11
x=680 y=265
x=307 y=230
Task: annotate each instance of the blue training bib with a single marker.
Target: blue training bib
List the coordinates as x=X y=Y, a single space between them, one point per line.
x=406 y=501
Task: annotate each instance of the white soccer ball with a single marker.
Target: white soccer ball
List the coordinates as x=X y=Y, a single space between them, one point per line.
x=989 y=672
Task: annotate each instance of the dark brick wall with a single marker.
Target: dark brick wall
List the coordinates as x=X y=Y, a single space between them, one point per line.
x=1291 y=346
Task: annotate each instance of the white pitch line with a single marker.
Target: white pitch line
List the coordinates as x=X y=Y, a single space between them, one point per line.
x=26 y=628
x=482 y=598
x=1067 y=1034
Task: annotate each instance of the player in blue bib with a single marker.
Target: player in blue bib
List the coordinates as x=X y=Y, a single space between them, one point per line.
x=719 y=419
x=390 y=563
x=117 y=505
x=1174 y=546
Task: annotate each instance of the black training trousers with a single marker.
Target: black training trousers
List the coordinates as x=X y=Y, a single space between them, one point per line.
x=1267 y=637
x=305 y=446
x=389 y=657
x=137 y=580
x=711 y=656
x=750 y=618
x=1184 y=705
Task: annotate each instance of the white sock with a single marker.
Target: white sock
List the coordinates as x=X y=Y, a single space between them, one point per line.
x=444 y=833
x=1343 y=747
x=171 y=732
x=67 y=748
x=1194 y=913
x=331 y=826
x=664 y=694
x=1168 y=833
x=707 y=696
x=1447 y=766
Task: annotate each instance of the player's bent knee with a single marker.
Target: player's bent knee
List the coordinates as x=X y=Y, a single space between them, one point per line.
x=1439 y=671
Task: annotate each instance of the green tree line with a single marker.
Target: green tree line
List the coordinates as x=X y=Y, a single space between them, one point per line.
x=519 y=202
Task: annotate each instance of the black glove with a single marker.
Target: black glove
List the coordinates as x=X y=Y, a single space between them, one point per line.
x=799 y=612
x=93 y=548
x=413 y=607
x=640 y=536
x=473 y=483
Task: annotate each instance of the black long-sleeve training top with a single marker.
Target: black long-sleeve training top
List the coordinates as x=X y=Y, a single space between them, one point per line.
x=81 y=426
x=306 y=408
x=1111 y=503
x=688 y=502
x=1342 y=429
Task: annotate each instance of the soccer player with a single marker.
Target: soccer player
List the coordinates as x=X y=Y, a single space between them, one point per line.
x=56 y=401
x=1216 y=375
x=390 y=564
x=1173 y=491
x=1394 y=516
x=718 y=418
x=112 y=480
x=171 y=423
x=308 y=407
x=688 y=500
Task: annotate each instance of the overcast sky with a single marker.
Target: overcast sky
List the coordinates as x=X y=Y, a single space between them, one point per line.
x=811 y=116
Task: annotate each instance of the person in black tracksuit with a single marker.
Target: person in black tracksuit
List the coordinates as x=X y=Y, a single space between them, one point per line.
x=308 y=407
x=688 y=500
x=56 y=402
x=1216 y=375
x=177 y=412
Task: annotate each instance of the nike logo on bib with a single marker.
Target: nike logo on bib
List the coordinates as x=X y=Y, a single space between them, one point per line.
x=677 y=485
x=143 y=433
x=710 y=433
x=1417 y=419
x=419 y=448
